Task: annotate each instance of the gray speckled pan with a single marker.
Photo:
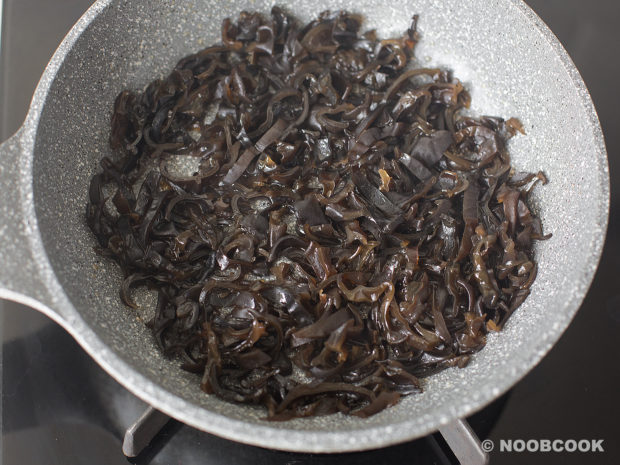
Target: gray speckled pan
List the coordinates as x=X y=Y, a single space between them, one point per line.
x=513 y=66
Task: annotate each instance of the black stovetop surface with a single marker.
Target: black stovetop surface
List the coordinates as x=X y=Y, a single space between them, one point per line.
x=59 y=407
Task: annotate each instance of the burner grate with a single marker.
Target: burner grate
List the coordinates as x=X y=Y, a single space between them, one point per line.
x=458 y=435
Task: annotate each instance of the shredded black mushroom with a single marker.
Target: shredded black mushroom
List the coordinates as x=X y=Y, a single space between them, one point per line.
x=345 y=231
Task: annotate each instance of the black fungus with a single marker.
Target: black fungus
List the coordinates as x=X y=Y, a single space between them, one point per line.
x=341 y=217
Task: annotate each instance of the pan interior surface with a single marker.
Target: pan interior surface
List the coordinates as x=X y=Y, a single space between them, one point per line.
x=510 y=66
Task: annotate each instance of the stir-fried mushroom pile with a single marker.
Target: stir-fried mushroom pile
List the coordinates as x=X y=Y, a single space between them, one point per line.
x=345 y=231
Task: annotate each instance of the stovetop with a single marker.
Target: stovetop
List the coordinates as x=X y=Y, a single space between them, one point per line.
x=59 y=407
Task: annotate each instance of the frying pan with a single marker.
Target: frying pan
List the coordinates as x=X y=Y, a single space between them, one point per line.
x=506 y=56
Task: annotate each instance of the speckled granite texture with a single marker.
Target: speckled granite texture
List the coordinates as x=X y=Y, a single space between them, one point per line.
x=507 y=58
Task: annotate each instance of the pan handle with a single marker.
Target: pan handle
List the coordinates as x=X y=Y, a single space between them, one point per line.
x=21 y=275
